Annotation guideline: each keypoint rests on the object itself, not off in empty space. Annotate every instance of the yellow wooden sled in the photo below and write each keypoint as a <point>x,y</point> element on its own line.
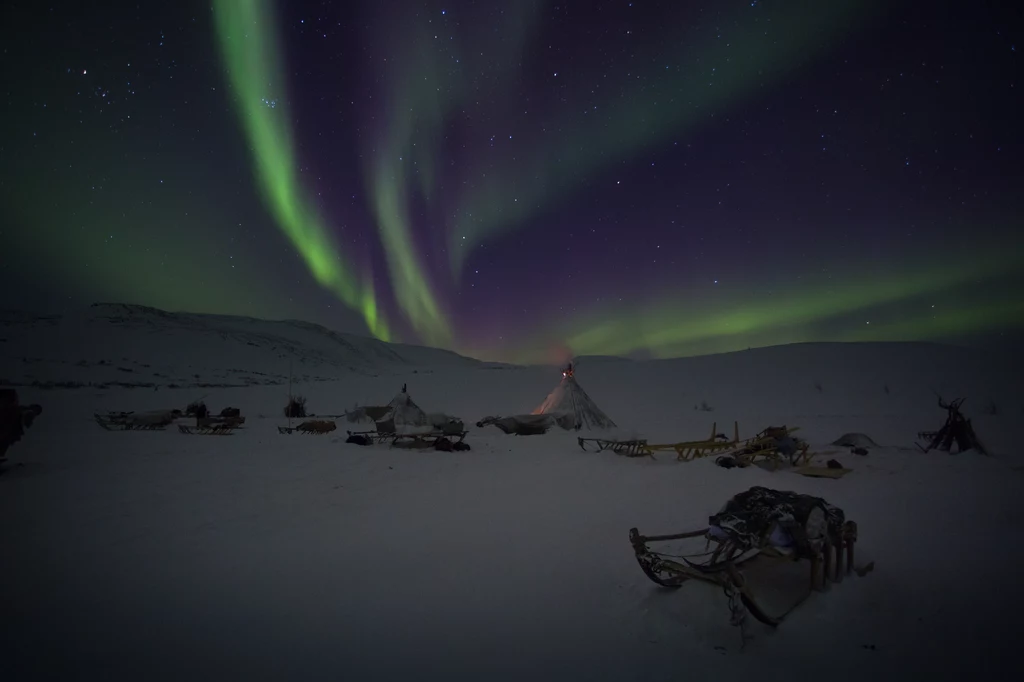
<point>694,449</point>
<point>764,448</point>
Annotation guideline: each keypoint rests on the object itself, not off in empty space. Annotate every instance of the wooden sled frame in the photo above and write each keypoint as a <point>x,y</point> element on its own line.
<point>832,559</point>
<point>212,426</point>
<point>210,430</point>
<point>763,447</point>
<point>117,421</point>
<point>747,452</point>
<point>307,431</point>
<point>695,449</point>
<point>428,439</point>
<point>629,448</point>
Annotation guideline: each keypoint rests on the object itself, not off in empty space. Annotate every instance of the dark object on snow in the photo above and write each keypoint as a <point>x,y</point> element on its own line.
<point>461,446</point>
<point>317,426</point>
<point>855,440</point>
<point>443,444</point>
<point>14,419</point>
<point>729,462</point>
<point>231,412</point>
<point>834,464</point>
<point>197,409</point>
<point>296,407</point>
<point>957,428</point>
<point>357,439</point>
<point>860,451</point>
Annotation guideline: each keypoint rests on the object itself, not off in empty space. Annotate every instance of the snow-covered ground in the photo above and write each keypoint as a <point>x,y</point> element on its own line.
<point>156,555</point>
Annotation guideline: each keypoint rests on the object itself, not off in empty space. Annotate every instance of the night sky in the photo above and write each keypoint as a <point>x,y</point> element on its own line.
<point>519,180</point>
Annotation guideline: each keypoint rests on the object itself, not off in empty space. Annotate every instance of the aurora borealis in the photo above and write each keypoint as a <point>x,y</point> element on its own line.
<point>522,180</point>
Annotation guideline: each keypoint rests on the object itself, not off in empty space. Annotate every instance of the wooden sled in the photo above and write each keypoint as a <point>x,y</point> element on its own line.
<point>213,426</point>
<point>409,440</point>
<point>694,449</point>
<point>629,448</point>
<point>212,430</point>
<point>721,562</point>
<point>373,437</point>
<point>316,427</point>
<point>423,441</point>
<point>763,448</point>
<point>128,421</point>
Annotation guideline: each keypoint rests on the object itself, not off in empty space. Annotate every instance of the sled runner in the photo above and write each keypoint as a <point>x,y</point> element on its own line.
<point>755,525</point>
<point>685,451</point>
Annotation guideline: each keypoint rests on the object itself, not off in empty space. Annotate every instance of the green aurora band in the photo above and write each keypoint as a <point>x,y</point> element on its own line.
<point>251,56</point>
<point>674,328</point>
<point>708,75</point>
<point>423,91</point>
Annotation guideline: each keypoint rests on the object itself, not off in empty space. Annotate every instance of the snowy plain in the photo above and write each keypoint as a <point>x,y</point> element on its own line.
<point>158,555</point>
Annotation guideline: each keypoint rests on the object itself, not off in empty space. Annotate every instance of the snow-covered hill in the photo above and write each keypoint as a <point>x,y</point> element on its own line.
<point>138,346</point>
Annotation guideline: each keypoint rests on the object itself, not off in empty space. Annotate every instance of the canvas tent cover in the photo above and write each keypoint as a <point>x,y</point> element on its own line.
<point>405,412</point>
<point>572,408</point>
<point>401,411</point>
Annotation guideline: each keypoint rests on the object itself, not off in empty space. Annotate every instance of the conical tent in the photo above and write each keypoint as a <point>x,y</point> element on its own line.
<point>406,412</point>
<point>401,411</point>
<point>572,408</point>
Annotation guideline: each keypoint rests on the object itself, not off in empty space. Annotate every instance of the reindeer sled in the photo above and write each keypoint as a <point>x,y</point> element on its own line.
<point>213,426</point>
<point>754,526</point>
<point>685,450</point>
<point>157,420</point>
<point>450,440</point>
<point>775,446</point>
<point>224,424</point>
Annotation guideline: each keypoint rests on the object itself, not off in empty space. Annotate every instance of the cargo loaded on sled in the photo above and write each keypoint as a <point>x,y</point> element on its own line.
<point>757,524</point>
